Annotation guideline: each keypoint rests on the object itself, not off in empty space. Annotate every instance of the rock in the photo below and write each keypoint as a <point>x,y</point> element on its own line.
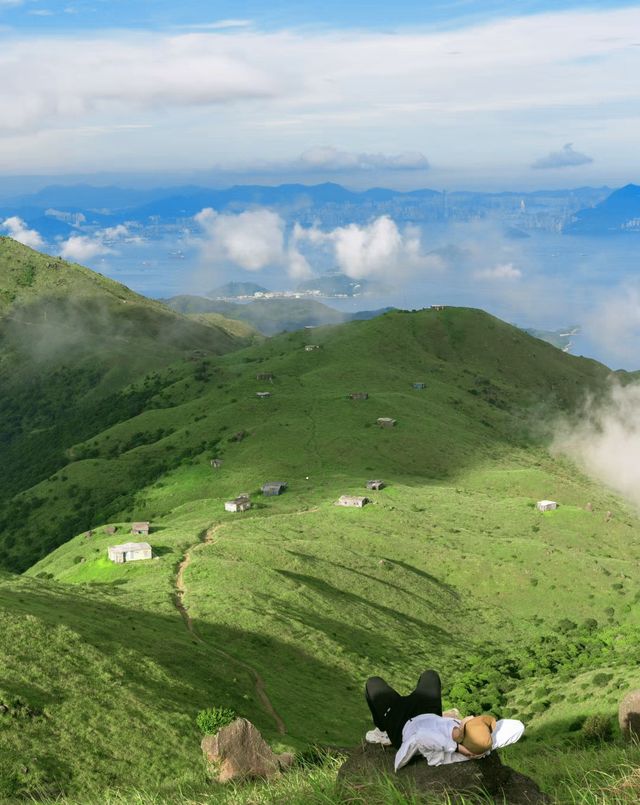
<point>465,779</point>
<point>629,714</point>
<point>239,752</point>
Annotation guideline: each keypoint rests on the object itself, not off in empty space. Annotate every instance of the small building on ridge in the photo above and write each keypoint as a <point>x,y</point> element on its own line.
<point>129,552</point>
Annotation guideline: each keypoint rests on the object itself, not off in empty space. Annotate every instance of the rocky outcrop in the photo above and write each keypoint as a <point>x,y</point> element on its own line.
<point>239,752</point>
<point>629,714</point>
<point>456,780</point>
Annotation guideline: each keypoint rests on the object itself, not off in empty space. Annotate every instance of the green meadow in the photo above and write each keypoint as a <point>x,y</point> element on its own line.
<point>283,611</point>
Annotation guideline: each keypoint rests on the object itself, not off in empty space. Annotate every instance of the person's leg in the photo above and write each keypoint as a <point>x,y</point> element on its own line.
<point>387,708</point>
<point>427,696</point>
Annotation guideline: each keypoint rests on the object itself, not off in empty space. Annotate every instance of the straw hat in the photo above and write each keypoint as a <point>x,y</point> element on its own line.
<point>477,734</point>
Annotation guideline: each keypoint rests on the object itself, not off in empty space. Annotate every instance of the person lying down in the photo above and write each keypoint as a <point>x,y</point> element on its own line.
<point>414,724</point>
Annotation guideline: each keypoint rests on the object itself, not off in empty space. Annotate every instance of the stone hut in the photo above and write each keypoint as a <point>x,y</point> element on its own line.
<point>546,505</point>
<point>438,307</point>
<point>311,347</point>
<point>262,395</point>
<point>110,530</point>
<point>419,386</point>
<point>375,485</point>
<point>216,463</point>
<point>129,552</point>
<point>268,376</point>
<point>385,422</point>
<point>141,529</point>
<point>272,488</point>
<point>359,395</point>
<point>353,501</point>
<point>239,504</point>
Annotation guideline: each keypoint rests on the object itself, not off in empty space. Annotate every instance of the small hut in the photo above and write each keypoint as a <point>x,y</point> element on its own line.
<point>110,530</point>
<point>239,504</point>
<point>359,395</point>
<point>129,552</point>
<point>216,463</point>
<point>437,307</point>
<point>141,529</point>
<point>272,488</point>
<point>546,505</point>
<point>268,376</point>
<point>262,395</point>
<point>385,422</point>
<point>352,501</point>
<point>419,386</point>
<point>311,347</point>
<point>375,485</point>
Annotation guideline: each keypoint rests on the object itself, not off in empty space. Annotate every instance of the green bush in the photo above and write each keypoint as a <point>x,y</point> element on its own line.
<point>602,680</point>
<point>214,719</point>
<point>597,728</point>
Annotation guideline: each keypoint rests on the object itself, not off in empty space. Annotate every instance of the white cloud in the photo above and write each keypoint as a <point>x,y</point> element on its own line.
<point>566,157</point>
<point>19,231</point>
<point>605,441</point>
<point>252,240</point>
<point>328,158</point>
<point>82,247</point>
<point>500,272</point>
<point>238,91</point>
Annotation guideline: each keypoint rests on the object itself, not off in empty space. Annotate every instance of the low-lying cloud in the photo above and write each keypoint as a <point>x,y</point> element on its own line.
<point>17,229</point>
<point>333,160</point>
<point>499,273</point>
<point>605,442</point>
<point>566,157</point>
<point>258,239</point>
<point>81,248</point>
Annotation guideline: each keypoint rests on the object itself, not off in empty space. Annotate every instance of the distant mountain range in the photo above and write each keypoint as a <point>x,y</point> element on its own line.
<point>617,213</point>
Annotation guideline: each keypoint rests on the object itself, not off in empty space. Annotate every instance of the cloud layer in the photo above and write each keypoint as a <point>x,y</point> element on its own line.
<point>605,442</point>
<point>17,229</point>
<point>238,94</point>
<point>566,157</point>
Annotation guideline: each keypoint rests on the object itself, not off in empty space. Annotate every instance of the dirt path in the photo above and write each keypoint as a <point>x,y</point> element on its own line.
<point>180,592</point>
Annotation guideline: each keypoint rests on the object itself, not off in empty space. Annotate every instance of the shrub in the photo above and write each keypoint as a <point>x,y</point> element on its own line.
<point>602,680</point>
<point>597,728</point>
<point>214,719</point>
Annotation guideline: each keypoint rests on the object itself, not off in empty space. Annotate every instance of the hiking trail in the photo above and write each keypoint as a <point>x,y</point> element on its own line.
<point>180,592</point>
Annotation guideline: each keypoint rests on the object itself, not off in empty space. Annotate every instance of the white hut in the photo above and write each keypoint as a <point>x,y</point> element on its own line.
<point>262,395</point>
<point>241,504</point>
<point>129,552</point>
<point>353,501</point>
<point>375,485</point>
<point>386,422</point>
<point>311,347</point>
<point>546,505</point>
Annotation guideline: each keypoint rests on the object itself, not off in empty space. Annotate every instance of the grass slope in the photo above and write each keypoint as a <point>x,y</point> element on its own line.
<point>450,565</point>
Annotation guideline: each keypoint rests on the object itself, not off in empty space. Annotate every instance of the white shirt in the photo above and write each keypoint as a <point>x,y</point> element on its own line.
<point>430,736</point>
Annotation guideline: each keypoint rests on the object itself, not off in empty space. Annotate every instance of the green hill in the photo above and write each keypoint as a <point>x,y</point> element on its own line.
<point>71,342</point>
<point>283,611</point>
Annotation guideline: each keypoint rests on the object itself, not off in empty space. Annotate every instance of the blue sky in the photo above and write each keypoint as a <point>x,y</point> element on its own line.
<point>408,94</point>
<point>50,15</point>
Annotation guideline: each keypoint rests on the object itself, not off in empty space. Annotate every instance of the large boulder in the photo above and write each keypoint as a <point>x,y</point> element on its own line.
<point>629,714</point>
<point>457,780</point>
<point>239,752</point>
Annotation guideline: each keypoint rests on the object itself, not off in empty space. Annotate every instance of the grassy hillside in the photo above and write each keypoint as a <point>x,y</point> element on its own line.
<point>269,316</point>
<point>71,342</point>
<point>286,609</point>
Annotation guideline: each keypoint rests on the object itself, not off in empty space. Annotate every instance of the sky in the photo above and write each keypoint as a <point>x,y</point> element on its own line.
<point>482,95</point>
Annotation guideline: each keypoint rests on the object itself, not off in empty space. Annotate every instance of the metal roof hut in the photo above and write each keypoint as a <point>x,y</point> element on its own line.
<point>419,386</point>
<point>352,501</point>
<point>272,488</point>
<point>216,463</point>
<point>359,395</point>
<point>262,395</point>
<point>129,552</point>
<point>375,485</point>
<point>386,422</point>
<point>546,505</point>
<point>141,528</point>
<point>438,307</point>
<point>239,504</point>
<point>111,530</point>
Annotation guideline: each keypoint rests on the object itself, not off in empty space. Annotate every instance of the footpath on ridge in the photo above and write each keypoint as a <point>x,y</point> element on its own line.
<point>180,592</point>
